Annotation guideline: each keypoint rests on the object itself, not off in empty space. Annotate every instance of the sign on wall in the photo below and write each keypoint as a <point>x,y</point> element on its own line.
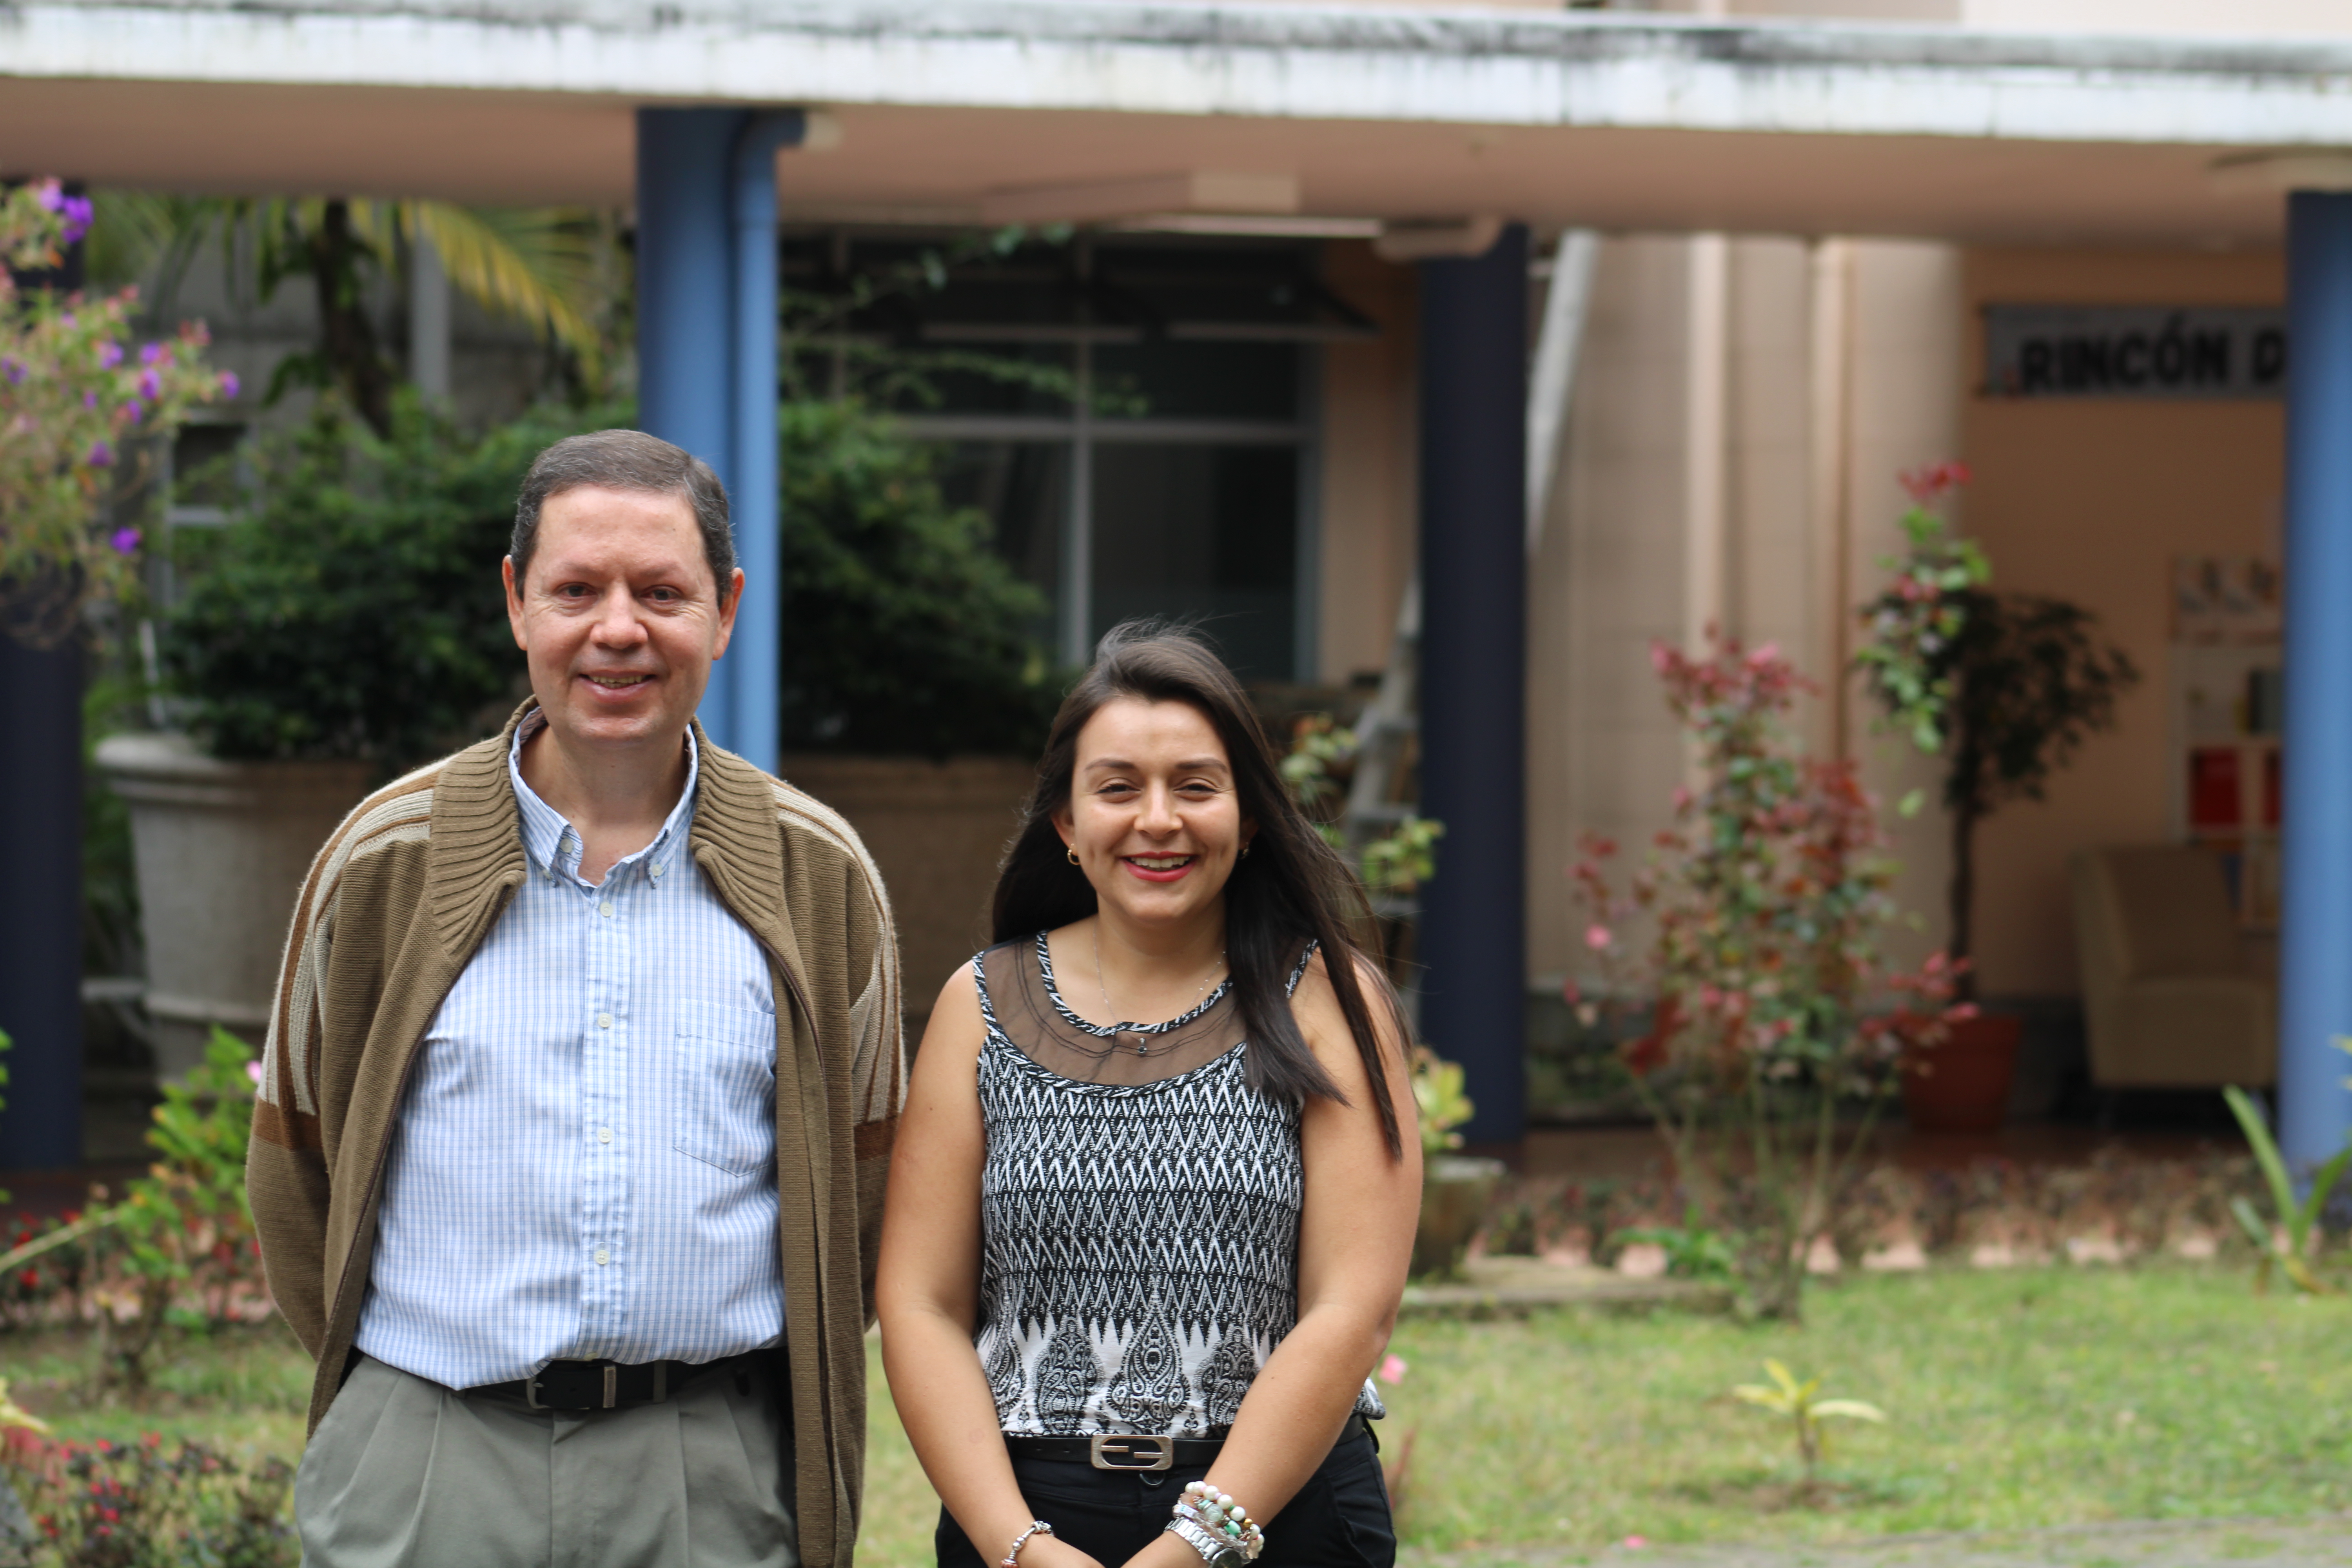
<point>2134,350</point>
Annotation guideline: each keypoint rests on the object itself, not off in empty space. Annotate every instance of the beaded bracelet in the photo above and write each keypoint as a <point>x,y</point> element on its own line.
<point>1224,1520</point>
<point>1013,1553</point>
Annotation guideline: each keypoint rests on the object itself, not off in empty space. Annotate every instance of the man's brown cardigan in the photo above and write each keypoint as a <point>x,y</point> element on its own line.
<point>393,908</point>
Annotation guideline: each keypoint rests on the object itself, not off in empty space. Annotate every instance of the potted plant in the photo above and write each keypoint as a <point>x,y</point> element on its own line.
<point>1455,1189</point>
<point>2004,687</point>
<point>345,624</point>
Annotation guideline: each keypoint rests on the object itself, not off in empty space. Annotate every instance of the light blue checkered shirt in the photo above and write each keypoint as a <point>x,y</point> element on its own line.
<point>585,1162</point>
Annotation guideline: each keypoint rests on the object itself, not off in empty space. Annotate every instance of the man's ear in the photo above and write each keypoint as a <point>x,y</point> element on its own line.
<point>514,603</point>
<point>730,602</point>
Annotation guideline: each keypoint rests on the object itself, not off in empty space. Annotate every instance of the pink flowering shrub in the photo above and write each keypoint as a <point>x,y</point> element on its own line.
<point>77,398</point>
<point>1774,1027</point>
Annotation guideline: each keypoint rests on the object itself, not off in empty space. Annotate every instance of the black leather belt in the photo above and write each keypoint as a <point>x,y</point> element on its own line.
<point>1127,1451</point>
<point>606,1385</point>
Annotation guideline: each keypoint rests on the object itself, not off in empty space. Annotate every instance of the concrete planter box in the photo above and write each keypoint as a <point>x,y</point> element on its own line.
<point>937,830</point>
<point>220,849</point>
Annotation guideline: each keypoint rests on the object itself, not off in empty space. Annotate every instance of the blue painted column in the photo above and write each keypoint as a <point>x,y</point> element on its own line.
<point>756,653</point>
<point>40,918</point>
<point>1473,943</point>
<point>2316,850</point>
<point>686,312</point>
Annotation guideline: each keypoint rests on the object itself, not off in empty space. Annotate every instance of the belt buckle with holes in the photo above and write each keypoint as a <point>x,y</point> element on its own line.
<point>1107,1451</point>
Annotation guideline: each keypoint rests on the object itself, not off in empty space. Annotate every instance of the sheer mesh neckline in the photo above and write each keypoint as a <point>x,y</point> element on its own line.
<point>1025,1011</point>
<point>1111,1031</point>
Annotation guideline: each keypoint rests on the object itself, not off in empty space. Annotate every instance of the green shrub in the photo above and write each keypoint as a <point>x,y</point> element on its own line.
<point>352,606</point>
<point>904,632</point>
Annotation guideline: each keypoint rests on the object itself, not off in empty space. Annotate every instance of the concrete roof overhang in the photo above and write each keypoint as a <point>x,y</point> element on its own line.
<point>1622,121</point>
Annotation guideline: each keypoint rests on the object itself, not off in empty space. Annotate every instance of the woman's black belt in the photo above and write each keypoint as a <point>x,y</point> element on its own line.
<point>1130,1451</point>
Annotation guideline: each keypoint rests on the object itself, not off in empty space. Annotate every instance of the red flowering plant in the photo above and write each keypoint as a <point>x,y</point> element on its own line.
<point>129,1505</point>
<point>1768,1054</point>
<point>79,401</point>
<point>1914,623</point>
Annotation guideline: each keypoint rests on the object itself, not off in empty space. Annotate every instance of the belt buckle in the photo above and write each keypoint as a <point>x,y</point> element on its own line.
<point>607,1385</point>
<point>1105,1448</point>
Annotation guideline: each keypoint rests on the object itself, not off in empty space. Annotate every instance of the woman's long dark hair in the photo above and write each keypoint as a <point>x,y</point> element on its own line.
<point>1293,885</point>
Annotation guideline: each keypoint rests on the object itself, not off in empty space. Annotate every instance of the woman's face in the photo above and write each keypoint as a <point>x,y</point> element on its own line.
<point>1153,813</point>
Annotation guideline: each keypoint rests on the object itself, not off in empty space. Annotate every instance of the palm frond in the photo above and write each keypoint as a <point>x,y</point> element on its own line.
<point>535,264</point>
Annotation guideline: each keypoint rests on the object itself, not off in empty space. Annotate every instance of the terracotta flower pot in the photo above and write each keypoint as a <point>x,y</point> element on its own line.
<point>1454,1193</point>
<point>1962,1084</point>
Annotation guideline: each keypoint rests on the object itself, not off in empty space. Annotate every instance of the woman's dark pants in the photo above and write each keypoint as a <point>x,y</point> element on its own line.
<point>1338,1520</point>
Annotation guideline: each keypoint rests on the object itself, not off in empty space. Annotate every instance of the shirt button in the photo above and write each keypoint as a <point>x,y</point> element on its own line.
<point>603,1020</point>
<point>604,1135</point>
<point>658,870</point>
<point>605,908</point>
<point>603,1257</point>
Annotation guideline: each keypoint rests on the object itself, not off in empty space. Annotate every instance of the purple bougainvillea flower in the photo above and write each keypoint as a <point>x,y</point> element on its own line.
<point>109,355</point>
<point>101,455</point>
<point>150,353</point>
<point>89,400</point>
<point>228,383</point>
<point>13,370</point>
<point>125,541</point>
<point>53,195</point>
<point>133,410</point>
<point>150,385</point>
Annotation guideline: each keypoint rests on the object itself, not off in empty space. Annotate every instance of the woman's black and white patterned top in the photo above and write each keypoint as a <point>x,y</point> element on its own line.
<point>1139,1240</point>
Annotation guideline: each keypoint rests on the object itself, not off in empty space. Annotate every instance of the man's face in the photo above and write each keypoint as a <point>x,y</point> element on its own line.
<point>620,615</point>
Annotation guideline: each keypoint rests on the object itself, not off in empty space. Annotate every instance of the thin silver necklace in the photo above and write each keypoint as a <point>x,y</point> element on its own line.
<point>1141,1048</point>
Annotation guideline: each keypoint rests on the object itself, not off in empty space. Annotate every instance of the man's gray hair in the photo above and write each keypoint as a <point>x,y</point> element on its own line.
<point>626,461</point>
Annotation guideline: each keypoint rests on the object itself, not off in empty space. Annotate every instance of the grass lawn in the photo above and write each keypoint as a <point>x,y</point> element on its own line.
<point>2016,1398</point>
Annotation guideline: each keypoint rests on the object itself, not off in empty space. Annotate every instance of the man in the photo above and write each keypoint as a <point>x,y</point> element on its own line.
<point>578,1097</point>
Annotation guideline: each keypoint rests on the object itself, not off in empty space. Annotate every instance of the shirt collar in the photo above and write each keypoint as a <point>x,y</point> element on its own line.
<point>549,840</point>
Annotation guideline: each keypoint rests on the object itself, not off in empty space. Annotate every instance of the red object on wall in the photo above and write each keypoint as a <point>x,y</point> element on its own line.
<point>2214,790</point>
<point>2270,789</point>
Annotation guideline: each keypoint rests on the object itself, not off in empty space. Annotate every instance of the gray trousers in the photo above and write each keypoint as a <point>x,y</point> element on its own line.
<point>403,1473</point>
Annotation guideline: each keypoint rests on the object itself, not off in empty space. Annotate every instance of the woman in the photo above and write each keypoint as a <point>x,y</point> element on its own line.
<point>1121,1260</point>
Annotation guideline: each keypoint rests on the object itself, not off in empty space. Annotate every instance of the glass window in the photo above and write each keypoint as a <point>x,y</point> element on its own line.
<point>1023,486</point>
<point>1206,533</point>
<point>1176,379</point>
<point>981,378</point>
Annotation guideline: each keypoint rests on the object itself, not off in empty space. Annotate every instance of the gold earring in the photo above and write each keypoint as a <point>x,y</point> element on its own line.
<point>1245,848</point>
<point>1073,853</point>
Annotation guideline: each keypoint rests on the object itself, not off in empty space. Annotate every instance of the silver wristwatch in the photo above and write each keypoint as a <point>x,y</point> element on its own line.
<point>1216,1553</point>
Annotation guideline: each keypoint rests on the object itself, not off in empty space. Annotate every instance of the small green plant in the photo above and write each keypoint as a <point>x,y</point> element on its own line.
<point>186,1224</point>
<point>1437,1092</point>
<point>1404,858</point>
<point>2286,1241</point>
<point>1317,743</point>
<point>1797,1401</point>
<point>1693,1251</point>
<point>1321,752</point>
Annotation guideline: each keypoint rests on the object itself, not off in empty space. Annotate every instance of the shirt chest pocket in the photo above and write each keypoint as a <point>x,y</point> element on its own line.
<point>723,1087</point>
